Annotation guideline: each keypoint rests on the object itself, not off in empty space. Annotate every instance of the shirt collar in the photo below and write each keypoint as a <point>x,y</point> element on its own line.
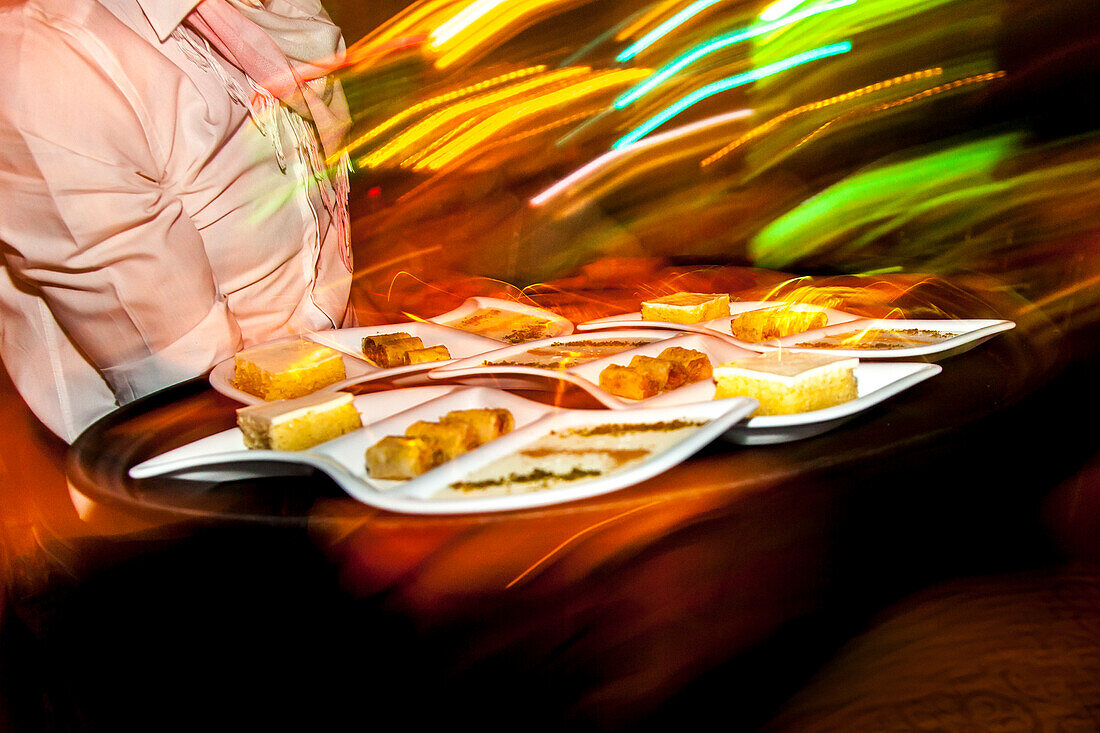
<point>166,15</point>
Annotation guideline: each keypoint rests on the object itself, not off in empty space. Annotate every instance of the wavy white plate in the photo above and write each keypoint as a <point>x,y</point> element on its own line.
<point>224,455</point>
<point>475,370</point>
<point>716,327</point>
<point>587,375</point>
<point>559,326</point>
<point>350,341</point>
<point>343,459</point>
<point>966,334</point>
<point>221,376</point>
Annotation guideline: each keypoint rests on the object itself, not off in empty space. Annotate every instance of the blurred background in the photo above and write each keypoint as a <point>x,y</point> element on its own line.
<point>922,158</point>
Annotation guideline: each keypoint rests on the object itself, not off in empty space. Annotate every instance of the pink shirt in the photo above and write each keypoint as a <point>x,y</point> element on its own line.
<point>149,226</point>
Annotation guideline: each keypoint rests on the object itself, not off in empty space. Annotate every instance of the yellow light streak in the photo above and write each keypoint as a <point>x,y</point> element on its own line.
<point>820,104</point>
<point>599,82</point>
<point>483,27</point>
<point>884,106</point>
<point>429,126</point>
<point>461,20</point>
<point>437,101</point>
<point>413,19</point>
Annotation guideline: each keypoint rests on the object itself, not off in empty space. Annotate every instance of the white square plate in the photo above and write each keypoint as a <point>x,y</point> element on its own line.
<point>349,341</point>
<point>221,376</point>
<point>958,335</point>
<point>558,326</point>
<point>489,369</point>
<point>343,459</point>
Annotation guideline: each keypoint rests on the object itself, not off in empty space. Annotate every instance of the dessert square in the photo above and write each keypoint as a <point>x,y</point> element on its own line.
<point>773,323</point>
<point>286,370</point>
<point>788,382</point>
<point>633,384</point>
<point>695,364</point>
<point>298,423</point>
<point>686,307</point>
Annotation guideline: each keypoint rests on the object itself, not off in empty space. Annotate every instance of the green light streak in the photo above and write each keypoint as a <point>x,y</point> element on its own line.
<point>726,84</point>
<point>779,8</point>
<point>654,35</point>
<point>678,64</point>
<point>870,204</point>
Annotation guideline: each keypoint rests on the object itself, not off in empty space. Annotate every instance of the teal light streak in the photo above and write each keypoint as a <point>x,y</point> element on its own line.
<point>722,85</point>
<point>650,38</point>
<point>779,8</point>
<point>678,64</point>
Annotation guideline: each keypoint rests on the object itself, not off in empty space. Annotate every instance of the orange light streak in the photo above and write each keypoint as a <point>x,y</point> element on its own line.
<point>820,104</point>
<point>646,18</point>
<point>570,540</point>
<point>884,106</point>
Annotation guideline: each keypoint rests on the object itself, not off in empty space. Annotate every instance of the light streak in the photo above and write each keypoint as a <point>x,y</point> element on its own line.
<point>820,104</point>
<point>729,39</point>
<point>498,121</point>
<point>612,156</point>
<point>460,21</point>
<point>448,115</point>
<point>663,29</point>
<point>729,83</point>
<point>654,12</point>
<point>436,101</point>
<point>884,106</point>
<point>570,540</point>
<point>779,8</point>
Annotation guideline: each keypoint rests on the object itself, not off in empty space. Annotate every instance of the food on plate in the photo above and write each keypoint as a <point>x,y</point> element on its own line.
<point>878,338</point>
<point>686,307</point>
<point>389,350</point>
<point>648,376</point>
<point>786,382</point>
<point>695,363</point>
<point>483,423</point>
<point>564,354</point>
<point>298,423</point>
<point>429,353</point>
<point>504,325</point>
<point>399,457</point>
<point>286,370</point>
<point>564,456</point>
<point>772,323</point>
<point>427,444</point>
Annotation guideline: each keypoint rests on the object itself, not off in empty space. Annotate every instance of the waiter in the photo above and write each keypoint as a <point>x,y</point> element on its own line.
<point>171,190</point>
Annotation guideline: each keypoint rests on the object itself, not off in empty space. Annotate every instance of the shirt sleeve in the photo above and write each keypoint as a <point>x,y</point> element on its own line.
<point>89,222</point>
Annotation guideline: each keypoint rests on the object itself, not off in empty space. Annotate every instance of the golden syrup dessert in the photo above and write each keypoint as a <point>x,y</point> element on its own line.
<point>686,307</point>
<point>430,443</point>
<point>287,370</point>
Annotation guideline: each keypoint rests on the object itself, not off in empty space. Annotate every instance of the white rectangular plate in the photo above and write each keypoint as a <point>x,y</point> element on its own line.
<point>221,376</point>
<point>587,376</point>
<point>226,450</point>
<point>559,326</point>
<point>343,460</point>
<point>475,371</point>
<point>963,334</point>
<point>350,341</point>
<point>716,327</point>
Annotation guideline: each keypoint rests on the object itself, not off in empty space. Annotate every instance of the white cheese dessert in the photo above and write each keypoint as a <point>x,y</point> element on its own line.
<point>786,382</point>
<point>298,423</point>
